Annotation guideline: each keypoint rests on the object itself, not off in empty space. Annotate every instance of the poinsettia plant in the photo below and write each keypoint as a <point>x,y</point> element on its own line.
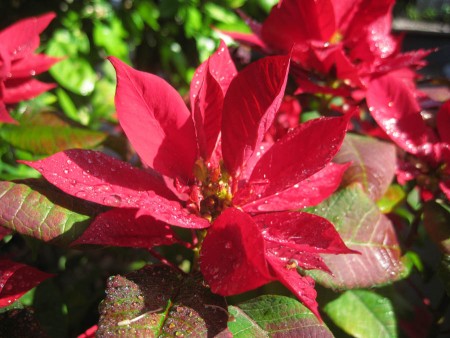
<point>283,194</point>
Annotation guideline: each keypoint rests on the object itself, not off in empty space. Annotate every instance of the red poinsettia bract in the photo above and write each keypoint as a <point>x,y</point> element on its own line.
<point>18,63</point>
<point>208,168</point>
<point>397,112</point>
<point>345,40</point>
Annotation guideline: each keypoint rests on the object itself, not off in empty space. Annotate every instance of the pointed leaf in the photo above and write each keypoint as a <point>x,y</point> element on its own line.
<point>32,65</point>
<point>16,279</point>
<point>250,104</point>
<point>156,121</point>
<point>273,316</point>
<point>364,229</point>
<point>96,177</point>
<point>32,213</point>
<point>17,90</point>
<point>47,139</point>
<point>158,301</point>
<point>232,255</point>
<point>395,109</point>
<point>436,220</point>
<point>308,192</point>
<point>298,155</point>
<point>363,313</point>
<point>373,163</point>
<point>121,227</point>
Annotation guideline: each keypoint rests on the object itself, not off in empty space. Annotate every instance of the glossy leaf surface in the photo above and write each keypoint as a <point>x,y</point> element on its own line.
<point>365,229</point>
<point>275,316</point>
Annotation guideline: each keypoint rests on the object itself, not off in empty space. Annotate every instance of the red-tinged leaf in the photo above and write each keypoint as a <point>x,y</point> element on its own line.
<point>89,333</point>
<point>247,39</point>
<point>31,213</point>
<point>414,60</point>
<point>250,105</point>
<point>16,279</point>
<point>436,220</point>
<point>16,90</point>
<point>156,121</point>
<point>47,139</point>
<point>232,255</point>
<point>158,301</point>
<point>308,192</point>
<point>301,231</point>
<point>297,21</point>
<point>443,122</point>
<point>21,323</point>
<point>301,286</point>
<point>275,316</point>
<point>395,109</point>
<point>364,229</point>
<point>32,65</point>
<point>121,227</point>
<point>299,155</point>
<point>4,115</point>
<point>96,177</point>
<point>373,164</point>
<point>22,38</point>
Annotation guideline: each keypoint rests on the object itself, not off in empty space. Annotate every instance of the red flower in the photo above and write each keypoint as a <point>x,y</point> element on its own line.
<point>344,40</point>
<point>207,169</point>
<point>18,63</point>
<point>394,107</point>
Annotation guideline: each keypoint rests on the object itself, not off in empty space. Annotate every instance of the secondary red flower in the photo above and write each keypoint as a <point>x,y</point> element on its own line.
<point>18,63</point>
<point>338,45</point>
<point>208,169</point>
<point>397,112</point>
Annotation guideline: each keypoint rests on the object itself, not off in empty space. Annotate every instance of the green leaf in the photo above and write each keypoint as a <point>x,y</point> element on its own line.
<point>373,163</point>
<point>269,316</point>
<point>393,196</point>
<point>436,220</point>
<point>42,215</point>
<point>149,12</point>
<point>158,301</point>
<point>74,72</point>
<point>365,229</point>
<point>363,314</point>
<point>49,135</point>
<point>111,38</point>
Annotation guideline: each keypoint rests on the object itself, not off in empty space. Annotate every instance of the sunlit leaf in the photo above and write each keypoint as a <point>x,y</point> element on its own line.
<point>39,215</point>
<point>365,229</point>
<point>373,163</point>
<point>273,316</point>
<point>394,195</point>
<point>158,301</point>
<point>363,313</point>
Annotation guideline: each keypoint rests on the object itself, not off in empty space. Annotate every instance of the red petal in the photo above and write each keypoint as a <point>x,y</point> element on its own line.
<point>99,178</point>
<point>4,114</point>
<point>443,122</point>
<point>16,279</point>
<point>232,255</point>
<point>302,287</point>
<point>208,87</point>
<point>121,227</point>
<point>17,90</point>
<point>299,155</point>
<point>32,65</point>
<point>301,231</point>
<point>306,193</point>
<point>156,121</point>
<point>22,37</point>
<point>251,102</point>
<point>297,21</point>
<point>395,109</point>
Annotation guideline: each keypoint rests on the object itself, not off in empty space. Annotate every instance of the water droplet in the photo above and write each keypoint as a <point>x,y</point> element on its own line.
<point>228,245</point>
<point>80,194</point>
<point>112,200</point>
<point>32,72</point>
<point>66,171</point>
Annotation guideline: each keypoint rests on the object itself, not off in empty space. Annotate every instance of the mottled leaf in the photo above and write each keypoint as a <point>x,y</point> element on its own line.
<point>363,313</point>
<point>373,163</point>
<point>34,214</point>
<point>394,195</point>
<point>157,301</point>
<point>47,140</point>
<point>274,316</point>
<point>436,220</point>
<point>365,229</point>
